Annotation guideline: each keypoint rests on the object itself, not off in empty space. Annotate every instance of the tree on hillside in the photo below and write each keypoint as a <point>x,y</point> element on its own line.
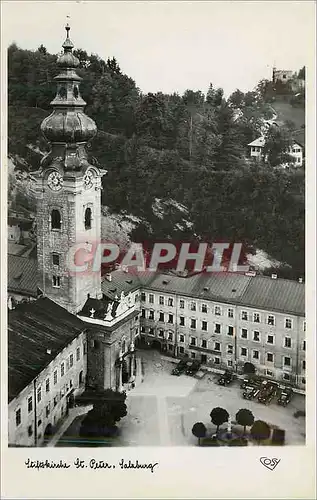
<point>260,431</point>
<point>236,99</point>
<point>219,416</point>
<point>301,73</point>
<point>245,418</point>
<point>199,430</point>
<point>278,141</point>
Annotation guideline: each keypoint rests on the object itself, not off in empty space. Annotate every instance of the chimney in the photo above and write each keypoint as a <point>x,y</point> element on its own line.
<point>300,280</point>
<point>108,277</point>
<point>274,276</point>
<point>48,351</point>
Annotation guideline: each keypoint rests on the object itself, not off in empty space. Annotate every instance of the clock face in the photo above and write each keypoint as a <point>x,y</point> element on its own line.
<point>88,179</point>
<point>55,181</point>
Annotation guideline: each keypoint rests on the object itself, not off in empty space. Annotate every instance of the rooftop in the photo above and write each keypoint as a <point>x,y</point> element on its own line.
<point>22,275</point>
<point>260,141</point>
<point>34,328</point>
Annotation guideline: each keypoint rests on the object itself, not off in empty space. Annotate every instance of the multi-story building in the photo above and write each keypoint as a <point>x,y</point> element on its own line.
<point>47,362</point>
<point>226,320</point>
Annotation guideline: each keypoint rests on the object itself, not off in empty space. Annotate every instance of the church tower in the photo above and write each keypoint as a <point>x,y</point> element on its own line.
<point>68,193</point>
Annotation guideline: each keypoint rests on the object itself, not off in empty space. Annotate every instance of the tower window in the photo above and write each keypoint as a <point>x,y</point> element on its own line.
<point>88,218</point>
<point>62,92</point>
<point>75,92</point>
<point>56,219</point>
<point>55,258</point>
<point>56,281</point>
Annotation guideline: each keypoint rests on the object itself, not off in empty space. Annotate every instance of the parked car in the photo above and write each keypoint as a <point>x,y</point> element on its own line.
<point>267,394</point>
<point>285,397</point>
<point>247,392</point>
<point>226,378</point>
<point>252,393</point>
<point>193,368</point>
<point>180,367</point>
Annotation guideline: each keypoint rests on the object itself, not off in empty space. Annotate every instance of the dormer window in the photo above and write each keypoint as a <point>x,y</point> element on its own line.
<point>88,218</point>
<point>56,221</point>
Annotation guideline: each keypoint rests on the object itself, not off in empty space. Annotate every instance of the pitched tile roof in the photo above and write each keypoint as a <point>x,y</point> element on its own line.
<point>22,275</point>
<point>260,141</point>
<point>32,329</point>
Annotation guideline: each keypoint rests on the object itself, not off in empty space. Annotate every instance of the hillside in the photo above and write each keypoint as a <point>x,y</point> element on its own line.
<point>163,152</point>
<point>288,113</point>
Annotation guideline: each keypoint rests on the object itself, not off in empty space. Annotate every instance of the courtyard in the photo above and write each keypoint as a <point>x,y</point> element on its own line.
<point>163,409</point>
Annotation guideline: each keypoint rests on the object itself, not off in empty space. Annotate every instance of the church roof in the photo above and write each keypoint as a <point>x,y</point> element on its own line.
<point>22,275</point>
<point>33,329</point>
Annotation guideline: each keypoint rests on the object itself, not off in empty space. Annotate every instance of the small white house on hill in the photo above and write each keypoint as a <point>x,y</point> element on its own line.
<point>296,150</point>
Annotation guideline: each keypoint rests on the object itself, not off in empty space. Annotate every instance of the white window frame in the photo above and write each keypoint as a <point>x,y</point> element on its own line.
<point>161,300</point>
<point>291,322</point>
<point>270,335</point>
<point>286,346</point>
<point>151,298</point>
<point>218,360</point>
<point>193,327</point>
<point>218,308</point>
<point>244,338</point>
<point>230,309</point>
<point>253,357</point>
<point>266,355</point>
<point>180,339</point>
<point>230,334</point>
<point>215,343</point>
<point>259,333</point>
<point>217,333</point>
<point>287,366</point>
<point>201,343</point>
<point>193,306</point>
<point>269,316</point>
<point>243,355</point>
<point>242,318</point>
<point>259,315</point>
<point>204,306</point>
<point>195,341</point>
<point>184,322</point>
<point>204,329</point>
<point>286,376</point>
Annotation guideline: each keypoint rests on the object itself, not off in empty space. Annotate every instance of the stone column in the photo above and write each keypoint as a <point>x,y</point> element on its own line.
<point>132,371</point>
<point>120,388</point>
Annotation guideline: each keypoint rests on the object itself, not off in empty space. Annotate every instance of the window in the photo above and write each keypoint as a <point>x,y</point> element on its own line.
<point>56,281</point>
<point>303,365</point>
<point>161,334</point>
<point>269,357</point>
<point>55,401</point>
<point>181,350</point>
<point>62,369</point>
<point>170,302</point>
<point>244,315</point>
<point>304,326</point>
<point>182,321</point>
<point>136,299</point>
<point>71,360</point>
<point>286,376</point>
<point>39,394</point>
<point>55,259</point>
<point>288,323</point>
<point>30,430</point>
<point>182,338</point>
<point>88,218</point>
<point>287,342</point>
<point>229,349</point>
<point>192,355</point>
<point>151,314</point>
<point>304,345</point>
<point>47,385</point>
<point>85,347</point>
<point>243,351</point>
<point>244,333</point>
<point>181,304</point>
<point>255,355</point>
<point>39,423</point>
<point>270,339</point>
<point>170,318</point>
<point>217,346</point>
<point>217,361</point>
<point>271,320</point>
<point>170,347</point>
<point>193,323</point>
<point>151,298</point>
<point>230,330</point>
<point>193,341</point>
<point>170,336</point>
<point>142,329</point>
<point>30,404</point>
<point>55,377</point>
<point>269,373</point>
<point>287,361</point>
<point>217,311</point>
<point>230,313</point>
<point>229,362</point>
<point>193,306</point>
<point>143,298</point>
<point>161,317</point>
<point>217,328</point>
<point>70,383</point>
<point>78,354</point>
<point>161,300</point>
<point>256,317</point>
<point>151,331</point>
<point>142,313</point>
<point>204,325</point>
<point>256,336</point>
<point>18,417</point>
<point>303,381</point>
<point>204,308</point>
<point>47,410</point>
<point>204,343</point>
<point>56,221</point>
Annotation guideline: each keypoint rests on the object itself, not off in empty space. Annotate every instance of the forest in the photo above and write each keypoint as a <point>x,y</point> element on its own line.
<point>189,148</point>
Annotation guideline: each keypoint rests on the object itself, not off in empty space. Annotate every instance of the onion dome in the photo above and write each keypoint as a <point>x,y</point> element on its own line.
<point>68,123</point>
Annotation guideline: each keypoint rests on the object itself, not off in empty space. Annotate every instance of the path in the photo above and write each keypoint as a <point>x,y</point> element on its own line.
<point>73,413</point>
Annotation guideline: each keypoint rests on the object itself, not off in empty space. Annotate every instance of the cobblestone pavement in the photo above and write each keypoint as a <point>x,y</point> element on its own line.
<point>163,409</point>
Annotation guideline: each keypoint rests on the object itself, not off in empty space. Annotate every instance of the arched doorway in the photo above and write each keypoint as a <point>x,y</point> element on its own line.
<point>81,377</point>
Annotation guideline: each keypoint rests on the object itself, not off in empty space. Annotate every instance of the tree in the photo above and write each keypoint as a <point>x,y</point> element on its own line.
<point>108,408</point>
<point>239,441</point>
<point>278,141</point>
<point>199,430</point>
<point>245,418</point>
<point>236,99</point>
<point>249,368</point>
<point>219,416</point>
<point>260,431</point>
<point>301,73</point>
